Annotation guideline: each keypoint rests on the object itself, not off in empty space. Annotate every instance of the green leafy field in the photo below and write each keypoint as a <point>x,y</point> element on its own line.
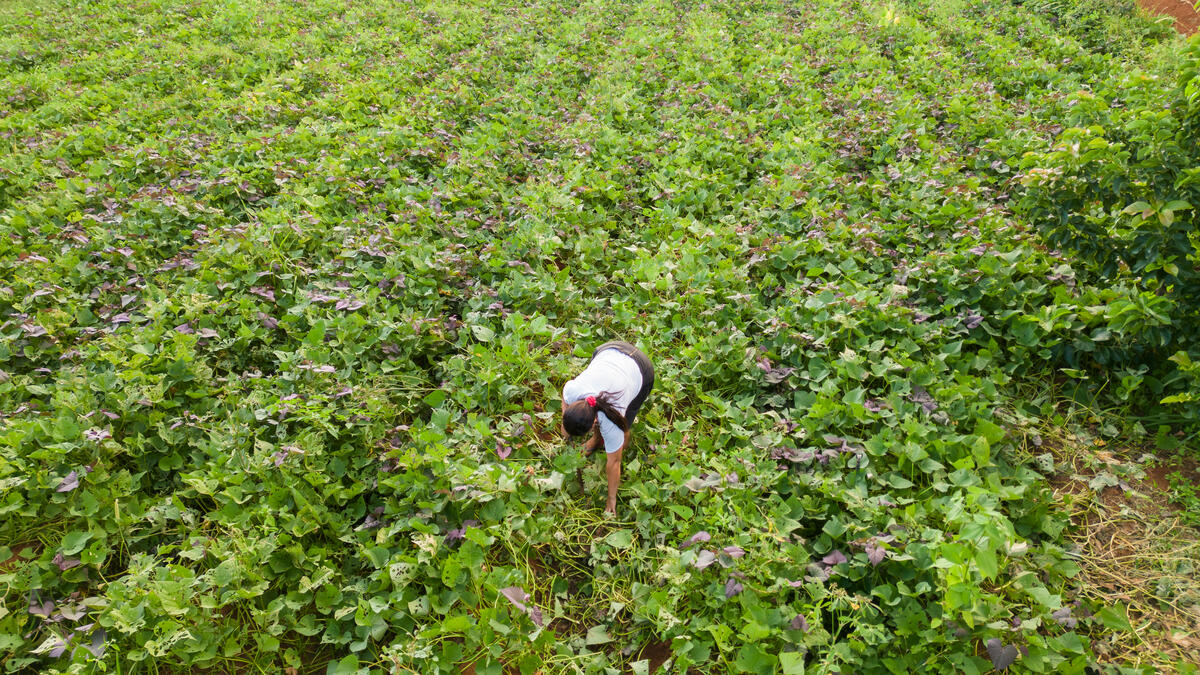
<point>289,291</point>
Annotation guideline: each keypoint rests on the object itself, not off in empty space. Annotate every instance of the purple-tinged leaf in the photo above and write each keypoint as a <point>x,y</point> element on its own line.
<point>123,317</point>
<point>819,572</point>
<point>110,415</point>
<point>44,609</point>
<point>317,296</point>
<point>349,304</point>
<point>875,554</point>
<point>797,583</point>
<point>835,557</point>
<point>732,587</point>
<point>1064,618</point>
<point>1002,655</point>
<point>269,321</point>
<point>97,435</point>
<point>345,391</point>
<point>69,482</point>
<point>518,597</point>
<point>502,450</point>
<point>972,321</point>
<point>206,333</point>
<point>264,292</point>
<point>97,646</point>
<point>698,538</point>
<point>980,249</point>
<point>874,405</point>
<point>922,396</point>
<point>704,559</point>
<point>734,551</point>
<point>60,647</point>
<point>799,623</point>
<point>184,328</point>
<point>63,563</point>
<point>774,374</point>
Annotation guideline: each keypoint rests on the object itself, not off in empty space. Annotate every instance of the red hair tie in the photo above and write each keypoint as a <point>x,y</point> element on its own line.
<point>591,401</point>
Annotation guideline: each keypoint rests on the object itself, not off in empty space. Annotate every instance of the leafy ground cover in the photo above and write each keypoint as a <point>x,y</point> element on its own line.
<point>289,291</point>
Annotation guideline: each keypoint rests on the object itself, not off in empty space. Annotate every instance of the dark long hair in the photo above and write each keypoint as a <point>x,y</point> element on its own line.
<point>579,417</point>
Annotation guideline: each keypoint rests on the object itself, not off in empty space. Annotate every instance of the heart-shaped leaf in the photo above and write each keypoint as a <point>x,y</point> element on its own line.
<point>1002,655</point>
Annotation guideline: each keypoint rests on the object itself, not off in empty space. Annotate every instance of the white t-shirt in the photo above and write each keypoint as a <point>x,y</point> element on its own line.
<point>611,371</point>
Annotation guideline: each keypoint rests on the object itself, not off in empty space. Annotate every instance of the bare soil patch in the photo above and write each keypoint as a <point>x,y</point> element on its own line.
<point>1187,20</point>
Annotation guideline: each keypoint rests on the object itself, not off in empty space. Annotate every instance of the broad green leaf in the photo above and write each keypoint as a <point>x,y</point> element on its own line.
<point>435,398</point>
<point>792,663</point>
<point>348,665</point>
<point>74,542</point>
<point>1115,618</point>
<point>597,635</point>
<point>619,538</point>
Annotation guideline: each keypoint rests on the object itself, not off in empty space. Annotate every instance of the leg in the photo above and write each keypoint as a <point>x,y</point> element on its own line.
<point>612,468</point>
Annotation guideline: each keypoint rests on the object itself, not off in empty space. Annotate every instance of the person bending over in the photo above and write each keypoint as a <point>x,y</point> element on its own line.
<point>604,399</point>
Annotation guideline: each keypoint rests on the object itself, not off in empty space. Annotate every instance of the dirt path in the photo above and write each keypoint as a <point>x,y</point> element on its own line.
<point>1187,21</point>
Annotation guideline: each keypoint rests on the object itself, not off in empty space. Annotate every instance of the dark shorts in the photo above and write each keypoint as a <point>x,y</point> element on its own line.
<point>643,364</point>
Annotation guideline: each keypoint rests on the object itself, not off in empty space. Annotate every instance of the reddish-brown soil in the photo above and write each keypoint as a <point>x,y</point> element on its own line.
<point>1187,20</point>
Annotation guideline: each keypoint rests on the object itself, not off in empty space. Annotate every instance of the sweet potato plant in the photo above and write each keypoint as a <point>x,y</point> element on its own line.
<point>288,291</point>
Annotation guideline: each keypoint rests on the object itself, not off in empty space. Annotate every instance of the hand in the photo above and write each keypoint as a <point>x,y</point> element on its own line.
<point>611,510</point>
<point>592,444</point>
